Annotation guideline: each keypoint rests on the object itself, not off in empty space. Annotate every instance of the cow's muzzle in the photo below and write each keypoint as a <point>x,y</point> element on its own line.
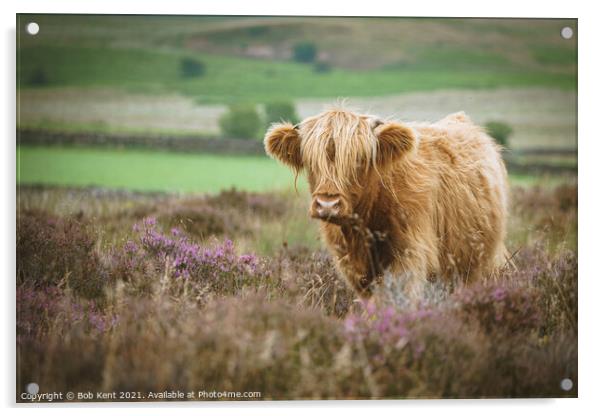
<point>328,207</point>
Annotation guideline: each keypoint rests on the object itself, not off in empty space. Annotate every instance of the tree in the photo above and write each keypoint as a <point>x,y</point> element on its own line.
<point>305,52</point>
<point>241,122</point>
<point>500,131</point>
<point>191,68</point>
<point>280,111</point>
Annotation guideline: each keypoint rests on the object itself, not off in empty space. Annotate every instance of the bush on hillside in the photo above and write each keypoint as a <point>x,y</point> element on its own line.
<point>305,52</point>
<point>191,68</point>
<point>241,122</point>
<point>280,111</point>
<point>500,131</point>
<point>38,78</point>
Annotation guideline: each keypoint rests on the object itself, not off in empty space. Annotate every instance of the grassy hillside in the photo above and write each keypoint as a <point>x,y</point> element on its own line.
<point>354,43</point>
<point>249,59</point>
<point>229,79</point>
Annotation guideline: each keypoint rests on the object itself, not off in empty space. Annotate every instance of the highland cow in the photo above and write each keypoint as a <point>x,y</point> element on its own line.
<point>423,201</point>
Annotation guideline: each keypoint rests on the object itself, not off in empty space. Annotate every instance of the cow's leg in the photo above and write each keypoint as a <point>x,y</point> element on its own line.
<point>363,258</point>
<point>411,269</point>
<point>409,277</point>
<point>356,271</point>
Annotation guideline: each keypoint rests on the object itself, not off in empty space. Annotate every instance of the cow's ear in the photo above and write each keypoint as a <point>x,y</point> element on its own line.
<point>394,142</point>
<point>282,142</point>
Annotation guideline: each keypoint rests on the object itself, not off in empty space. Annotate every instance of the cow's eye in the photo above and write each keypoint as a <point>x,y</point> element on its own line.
<point>330,150</point>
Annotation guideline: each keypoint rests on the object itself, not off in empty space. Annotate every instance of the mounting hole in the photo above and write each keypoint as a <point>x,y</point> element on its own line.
<point>566,32</point>
<point>566,384</point>
<point>32,28</point>
<point>32,388</point>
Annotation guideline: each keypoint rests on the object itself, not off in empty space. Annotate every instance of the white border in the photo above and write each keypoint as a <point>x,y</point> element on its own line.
<point>428,8</point>
<point>589,188</point>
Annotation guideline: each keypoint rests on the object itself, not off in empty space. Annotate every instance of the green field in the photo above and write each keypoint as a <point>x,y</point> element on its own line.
<point>143,170</point>
<point>148,170</point>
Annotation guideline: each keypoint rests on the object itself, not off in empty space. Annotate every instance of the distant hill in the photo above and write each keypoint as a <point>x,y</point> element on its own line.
<point>251,58</point>
<point>351,43</point>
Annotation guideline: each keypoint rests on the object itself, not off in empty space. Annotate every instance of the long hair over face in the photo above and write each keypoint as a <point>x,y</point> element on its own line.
<point>337,144</point>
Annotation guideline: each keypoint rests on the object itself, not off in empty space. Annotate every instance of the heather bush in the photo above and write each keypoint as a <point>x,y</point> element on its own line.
<point>200,220</point>
<point>547,203</point>
<point>458,360</point>
<point>192,314</point>
<point>286,351</point>
<point>228,213</point>
<point>499,307</point>
<point>542,214</point>
<point>153,255</point>
<point>311,276</point>
<point>436,358</point>
<point>60,339</point>
<point>54,251</point>
<point>385,326</point>
<point>69,357</point>
<point>36,309</point>
<point>447,351</point>
<point>242,202</point>
<point>556,278</point>
<point>241,344</point>
<point>42,309</point>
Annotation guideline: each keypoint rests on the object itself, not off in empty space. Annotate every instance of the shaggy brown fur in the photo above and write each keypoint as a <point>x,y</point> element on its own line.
<point>421,200</point>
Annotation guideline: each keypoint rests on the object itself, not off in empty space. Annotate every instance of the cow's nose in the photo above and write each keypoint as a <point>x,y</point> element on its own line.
<point>327,207</point>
